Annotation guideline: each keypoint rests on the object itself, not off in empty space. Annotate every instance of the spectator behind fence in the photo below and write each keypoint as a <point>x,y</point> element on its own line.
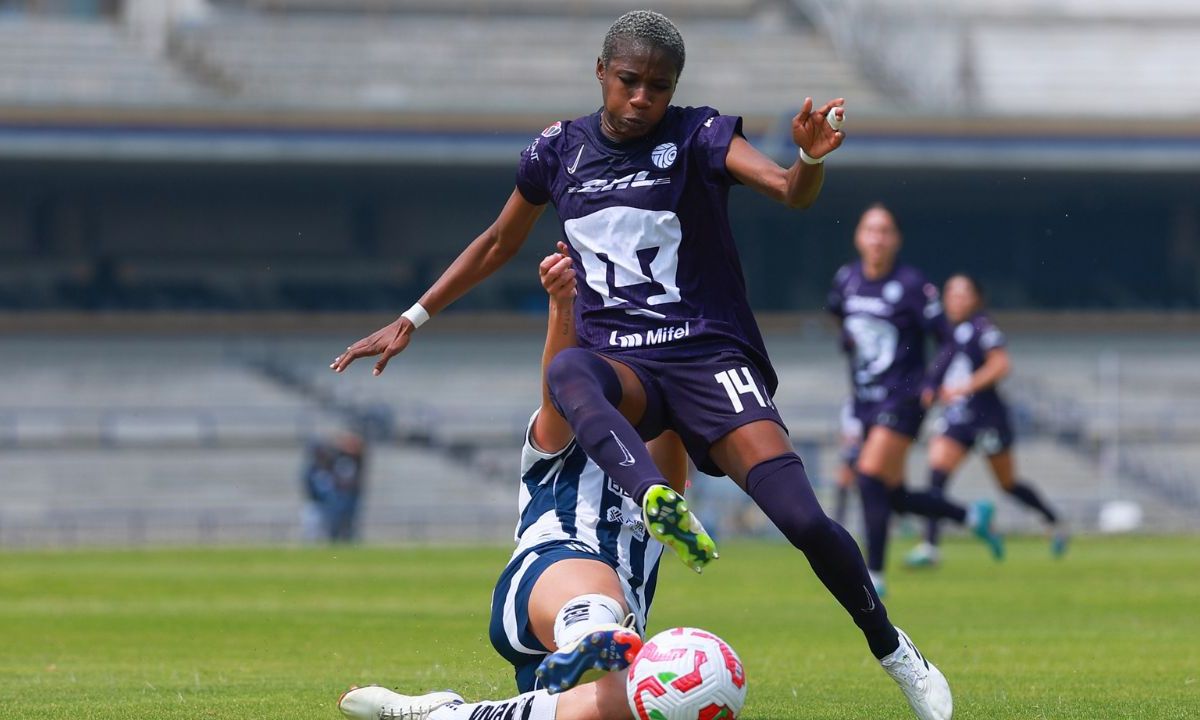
<point>332,480</point>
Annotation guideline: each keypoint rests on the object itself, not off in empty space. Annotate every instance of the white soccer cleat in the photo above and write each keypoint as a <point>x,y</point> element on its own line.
<point>924,555</point>
<point>378,703</point>
<point>923,684</point>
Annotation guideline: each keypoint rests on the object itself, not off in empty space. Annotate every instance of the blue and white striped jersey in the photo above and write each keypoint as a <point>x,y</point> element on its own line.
<point>565,497</point>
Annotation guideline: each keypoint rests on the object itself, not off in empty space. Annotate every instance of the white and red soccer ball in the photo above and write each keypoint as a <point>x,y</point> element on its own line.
<point>686,674</point>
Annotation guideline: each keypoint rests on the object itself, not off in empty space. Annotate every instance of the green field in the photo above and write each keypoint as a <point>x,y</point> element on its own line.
<point>1111,632</point>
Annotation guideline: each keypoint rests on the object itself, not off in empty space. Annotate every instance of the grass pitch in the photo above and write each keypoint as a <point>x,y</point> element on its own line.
<point>1110,632</point>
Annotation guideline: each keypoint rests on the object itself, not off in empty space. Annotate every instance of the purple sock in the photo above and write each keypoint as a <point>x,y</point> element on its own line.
<point>1029,497</point>
<point>926,504</point>
<point>937,487</point>
<point>586,390</point>
<point>781,488</point>
<point>877,513</point>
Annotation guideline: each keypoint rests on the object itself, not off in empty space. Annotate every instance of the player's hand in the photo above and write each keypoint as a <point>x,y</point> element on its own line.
<point>389,342</point>
<point>557,273</point>
<point>927,398</point>
<point>951,395</point>
<point>811,130</point>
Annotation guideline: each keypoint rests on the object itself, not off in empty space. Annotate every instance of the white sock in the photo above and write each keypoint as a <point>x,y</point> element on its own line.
<point>579,615</point>
<point>973,516</point>
<point>536,705</point>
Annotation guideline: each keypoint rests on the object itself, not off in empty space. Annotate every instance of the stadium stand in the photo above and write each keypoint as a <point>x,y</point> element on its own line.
<point>64,62</point>
<point>164,440</point>
<point>1034,59</point>
<point>450,66</point>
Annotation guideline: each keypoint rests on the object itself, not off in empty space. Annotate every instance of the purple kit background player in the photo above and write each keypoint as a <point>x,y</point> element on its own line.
<point>887,312</point>
<point>970,364</point>
<point>666,336</point>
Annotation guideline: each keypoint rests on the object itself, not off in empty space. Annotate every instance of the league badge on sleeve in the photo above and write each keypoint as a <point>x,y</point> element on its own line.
<point>553,130</point>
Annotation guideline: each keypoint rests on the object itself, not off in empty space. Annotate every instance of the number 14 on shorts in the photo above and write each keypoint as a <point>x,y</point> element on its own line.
<point>738,382</point>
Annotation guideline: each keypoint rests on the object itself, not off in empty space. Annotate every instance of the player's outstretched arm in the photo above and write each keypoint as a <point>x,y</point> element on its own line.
<point>496,246</point>
<point>815,133</point>
<point>550,432</point>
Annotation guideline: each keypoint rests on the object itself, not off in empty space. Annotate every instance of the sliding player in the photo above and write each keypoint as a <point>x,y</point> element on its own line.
<point>972,361</point>
<point>575,596</point>
<point>666,336</point>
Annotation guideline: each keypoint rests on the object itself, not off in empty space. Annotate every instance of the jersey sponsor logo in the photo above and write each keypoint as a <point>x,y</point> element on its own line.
<point>532,149</point>
<point>575,163</point>
<point>634,180</point>
<point>664,155</point>
<point>636,526</point>
<point>893,291</point>
<point>552,130</point>
<point>869,305</point>
<point>657,336</point>
<point>613,487</point>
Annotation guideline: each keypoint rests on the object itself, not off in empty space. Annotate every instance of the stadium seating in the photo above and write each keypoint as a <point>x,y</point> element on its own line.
<point>51,62</point>
<point>1028,58</point>
<point>452,66</point>
<point>192,439</point>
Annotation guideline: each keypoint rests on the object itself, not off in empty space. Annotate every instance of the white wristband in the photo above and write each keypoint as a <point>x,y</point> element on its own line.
<point>809,159</point>
<point>416,315</point>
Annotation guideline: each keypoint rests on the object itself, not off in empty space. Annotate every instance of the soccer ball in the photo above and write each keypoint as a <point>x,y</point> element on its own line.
<point>686,674</point>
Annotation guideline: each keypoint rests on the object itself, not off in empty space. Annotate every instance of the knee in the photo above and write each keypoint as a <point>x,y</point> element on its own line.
<point>574,374</point>
<point>564,367</point>
<point>810,530</point>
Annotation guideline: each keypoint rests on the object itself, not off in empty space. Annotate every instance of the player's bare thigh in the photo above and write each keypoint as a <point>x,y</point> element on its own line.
<point>564,580</point>
<point>742,448</point>
<point>946,454</point>
<point>883,455</point>
<point>1003,468</point>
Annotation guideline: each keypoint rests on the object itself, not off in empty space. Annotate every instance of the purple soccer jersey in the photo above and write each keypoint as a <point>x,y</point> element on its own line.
<point>647,224</point>
<point>963,352</point>
<point>885,323</point>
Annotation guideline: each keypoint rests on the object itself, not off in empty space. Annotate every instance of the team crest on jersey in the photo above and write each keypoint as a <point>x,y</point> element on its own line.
<point>963,333</point>
<point>893,291</point>
<point>664,155</point>
<point>553,130</point>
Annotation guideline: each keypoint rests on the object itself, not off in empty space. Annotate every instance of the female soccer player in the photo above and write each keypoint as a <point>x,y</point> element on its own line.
<point>887,310</point>
<point>666,336</point>
<point>972,361</point>
<point>576,593</point>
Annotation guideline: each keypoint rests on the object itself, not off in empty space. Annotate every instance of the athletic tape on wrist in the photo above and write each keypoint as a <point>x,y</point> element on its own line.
<point>809,159</point>
<point>416,315</point>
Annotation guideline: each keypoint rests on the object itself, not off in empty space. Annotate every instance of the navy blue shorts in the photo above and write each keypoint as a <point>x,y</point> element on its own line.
<point>702,400</point>
<point>509,627</point>
<point>992,432</point>
<point>904,415</point>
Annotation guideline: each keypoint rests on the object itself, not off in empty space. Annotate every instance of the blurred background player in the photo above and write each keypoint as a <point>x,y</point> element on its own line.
<point>667,338</point>
<point>887,312</point>
<point>850,436</point>
<point>575,596</point>
<point>964,377</point>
